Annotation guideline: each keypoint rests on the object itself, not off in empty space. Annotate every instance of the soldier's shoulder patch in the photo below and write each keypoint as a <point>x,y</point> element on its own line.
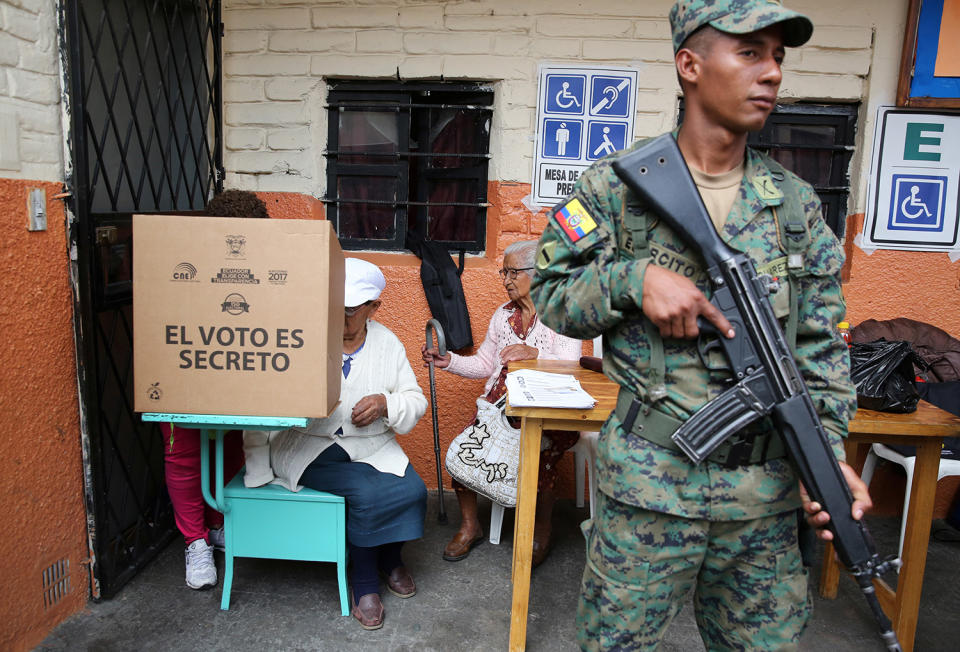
<point>767,190</point>
<point>545,254</point>
<point>574,219</point>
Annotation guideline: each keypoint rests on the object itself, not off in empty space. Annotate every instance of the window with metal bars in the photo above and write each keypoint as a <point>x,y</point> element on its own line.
<point>408,159</point>
<point>815,142</point>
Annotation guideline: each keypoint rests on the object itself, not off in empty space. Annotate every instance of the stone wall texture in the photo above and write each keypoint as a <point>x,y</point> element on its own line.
<point>31,138</point>
<point>279,54</point>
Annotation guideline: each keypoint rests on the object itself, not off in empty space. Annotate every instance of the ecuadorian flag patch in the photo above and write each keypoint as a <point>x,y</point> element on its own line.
<point>574,219</point>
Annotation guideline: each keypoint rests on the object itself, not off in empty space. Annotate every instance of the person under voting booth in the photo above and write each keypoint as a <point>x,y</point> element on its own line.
<point>354,452</point>
<point>200,524</point>
<point>726,528</point>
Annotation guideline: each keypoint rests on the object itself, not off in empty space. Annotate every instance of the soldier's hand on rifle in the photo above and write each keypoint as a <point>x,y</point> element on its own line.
<point>818,518</point>
<point>673,303</point>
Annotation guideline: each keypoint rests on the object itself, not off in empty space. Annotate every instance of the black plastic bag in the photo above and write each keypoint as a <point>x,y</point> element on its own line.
<point>884,376</point>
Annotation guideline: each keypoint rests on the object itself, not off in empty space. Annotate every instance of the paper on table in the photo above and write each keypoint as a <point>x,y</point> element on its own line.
<point>532,388</point>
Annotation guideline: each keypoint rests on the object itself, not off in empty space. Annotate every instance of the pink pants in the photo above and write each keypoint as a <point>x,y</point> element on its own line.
<point>181,468</point>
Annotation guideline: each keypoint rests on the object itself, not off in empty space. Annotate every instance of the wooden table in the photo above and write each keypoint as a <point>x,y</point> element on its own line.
<point>924,429</point>
<point>533,422</point>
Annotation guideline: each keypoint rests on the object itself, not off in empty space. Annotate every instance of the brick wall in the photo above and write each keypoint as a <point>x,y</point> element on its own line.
<point>31,140</point>
<point>278,54</point>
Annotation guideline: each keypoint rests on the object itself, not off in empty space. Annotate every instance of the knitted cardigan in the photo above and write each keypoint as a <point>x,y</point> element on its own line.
<point>485,363</point>
<point>380,367</point>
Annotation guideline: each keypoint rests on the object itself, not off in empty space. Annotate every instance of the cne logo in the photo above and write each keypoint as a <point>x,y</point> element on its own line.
<point>154,393</point>
<point>235,245</point>
<point>235,304</point>
<point>184,272</point>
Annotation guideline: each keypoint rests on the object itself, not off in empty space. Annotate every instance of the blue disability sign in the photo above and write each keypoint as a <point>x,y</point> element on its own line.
<point>605,138</point>
<point>561,138</point>
<point>566,94</point>
<point>610,96</point>
<point>917,203</point>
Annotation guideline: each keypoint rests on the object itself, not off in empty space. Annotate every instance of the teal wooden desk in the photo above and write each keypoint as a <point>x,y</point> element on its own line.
<point>268,522</point>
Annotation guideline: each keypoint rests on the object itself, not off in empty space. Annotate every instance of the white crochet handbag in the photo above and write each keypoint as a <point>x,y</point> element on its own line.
<point>486,456</point>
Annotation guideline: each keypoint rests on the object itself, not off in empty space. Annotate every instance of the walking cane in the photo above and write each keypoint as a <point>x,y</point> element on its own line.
<point>435,326</point>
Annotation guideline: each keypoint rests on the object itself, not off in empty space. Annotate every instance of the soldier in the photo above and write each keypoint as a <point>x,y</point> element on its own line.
<point>606,265</point>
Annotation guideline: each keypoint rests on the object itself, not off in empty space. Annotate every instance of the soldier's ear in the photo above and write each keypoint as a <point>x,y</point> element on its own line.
<point>688,65</point>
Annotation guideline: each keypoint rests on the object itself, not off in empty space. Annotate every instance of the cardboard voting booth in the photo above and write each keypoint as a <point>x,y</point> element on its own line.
<point>236,316</point>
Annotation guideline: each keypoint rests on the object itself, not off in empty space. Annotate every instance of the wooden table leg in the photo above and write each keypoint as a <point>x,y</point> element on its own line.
<point>915,541</point>
<point>830,567</point>
<point>829,573</point>
<point>531,433</point>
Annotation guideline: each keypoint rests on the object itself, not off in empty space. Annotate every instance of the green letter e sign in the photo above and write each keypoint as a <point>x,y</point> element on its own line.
<point>915,138</point>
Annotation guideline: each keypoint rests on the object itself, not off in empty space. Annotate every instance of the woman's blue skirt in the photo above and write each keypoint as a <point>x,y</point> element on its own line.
<point>381,507</point>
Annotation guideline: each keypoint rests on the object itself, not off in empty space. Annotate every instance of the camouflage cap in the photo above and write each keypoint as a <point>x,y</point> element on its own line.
<point>737,17</point>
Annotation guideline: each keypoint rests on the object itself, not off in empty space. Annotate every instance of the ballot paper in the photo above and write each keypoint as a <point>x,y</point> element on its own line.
<point>531,388</point>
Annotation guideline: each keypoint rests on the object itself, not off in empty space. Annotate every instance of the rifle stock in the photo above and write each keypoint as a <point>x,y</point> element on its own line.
<point>764,375</point>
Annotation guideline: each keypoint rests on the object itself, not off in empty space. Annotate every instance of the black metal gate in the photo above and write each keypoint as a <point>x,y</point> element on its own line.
<point>144,102</point>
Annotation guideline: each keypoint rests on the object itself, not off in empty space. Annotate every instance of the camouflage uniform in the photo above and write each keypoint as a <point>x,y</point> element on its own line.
<point>640,560</point>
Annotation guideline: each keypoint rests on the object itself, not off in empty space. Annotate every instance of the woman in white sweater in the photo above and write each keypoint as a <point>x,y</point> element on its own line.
<point>514,333</point>
<point>354,452</point>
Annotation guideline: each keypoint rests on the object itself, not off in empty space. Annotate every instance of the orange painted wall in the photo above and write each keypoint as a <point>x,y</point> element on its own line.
<point>405,312</point>
<point>41,479</point>
<point>886,284</point>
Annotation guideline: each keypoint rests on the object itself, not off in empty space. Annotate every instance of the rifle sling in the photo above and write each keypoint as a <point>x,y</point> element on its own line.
<point>755,445</point>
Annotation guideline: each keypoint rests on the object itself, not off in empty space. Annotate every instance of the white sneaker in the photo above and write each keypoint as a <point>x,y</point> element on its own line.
<point>201,571</point>
<point>217,539</point>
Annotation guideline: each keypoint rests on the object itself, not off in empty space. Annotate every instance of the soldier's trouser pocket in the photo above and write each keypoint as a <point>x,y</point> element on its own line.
<point>752,591</point>
<point>630,591</point>
<point>612,601</point>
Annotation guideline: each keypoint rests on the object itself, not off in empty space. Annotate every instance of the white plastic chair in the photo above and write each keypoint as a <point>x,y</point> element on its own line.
<point>585,451</point>
<point>585,458</point>
<point>496,521</point>
<point>948,467</point>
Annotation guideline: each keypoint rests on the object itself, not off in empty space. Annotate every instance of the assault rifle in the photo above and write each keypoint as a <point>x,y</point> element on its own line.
<point>765,379</point>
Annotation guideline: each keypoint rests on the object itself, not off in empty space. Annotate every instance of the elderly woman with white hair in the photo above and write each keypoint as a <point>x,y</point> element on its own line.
<point>354,452</point>
<point>514,333</point>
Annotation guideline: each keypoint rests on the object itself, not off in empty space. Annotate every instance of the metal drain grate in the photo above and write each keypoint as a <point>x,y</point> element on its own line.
<point>56,582</point>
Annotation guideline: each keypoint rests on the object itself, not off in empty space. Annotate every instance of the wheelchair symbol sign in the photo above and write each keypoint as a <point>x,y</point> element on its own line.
<point>565,94</point>
<point>917,203</point>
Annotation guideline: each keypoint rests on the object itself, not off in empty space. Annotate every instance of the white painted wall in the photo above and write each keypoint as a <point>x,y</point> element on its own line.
<point>278,54</point>
<point>31,136</point>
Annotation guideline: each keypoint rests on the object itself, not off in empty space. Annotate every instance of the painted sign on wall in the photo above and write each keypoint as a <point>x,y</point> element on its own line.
<point>915,180</point>
<point>583,114</point>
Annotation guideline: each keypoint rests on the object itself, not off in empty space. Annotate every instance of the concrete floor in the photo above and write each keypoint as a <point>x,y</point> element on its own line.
<point>463,606</point>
